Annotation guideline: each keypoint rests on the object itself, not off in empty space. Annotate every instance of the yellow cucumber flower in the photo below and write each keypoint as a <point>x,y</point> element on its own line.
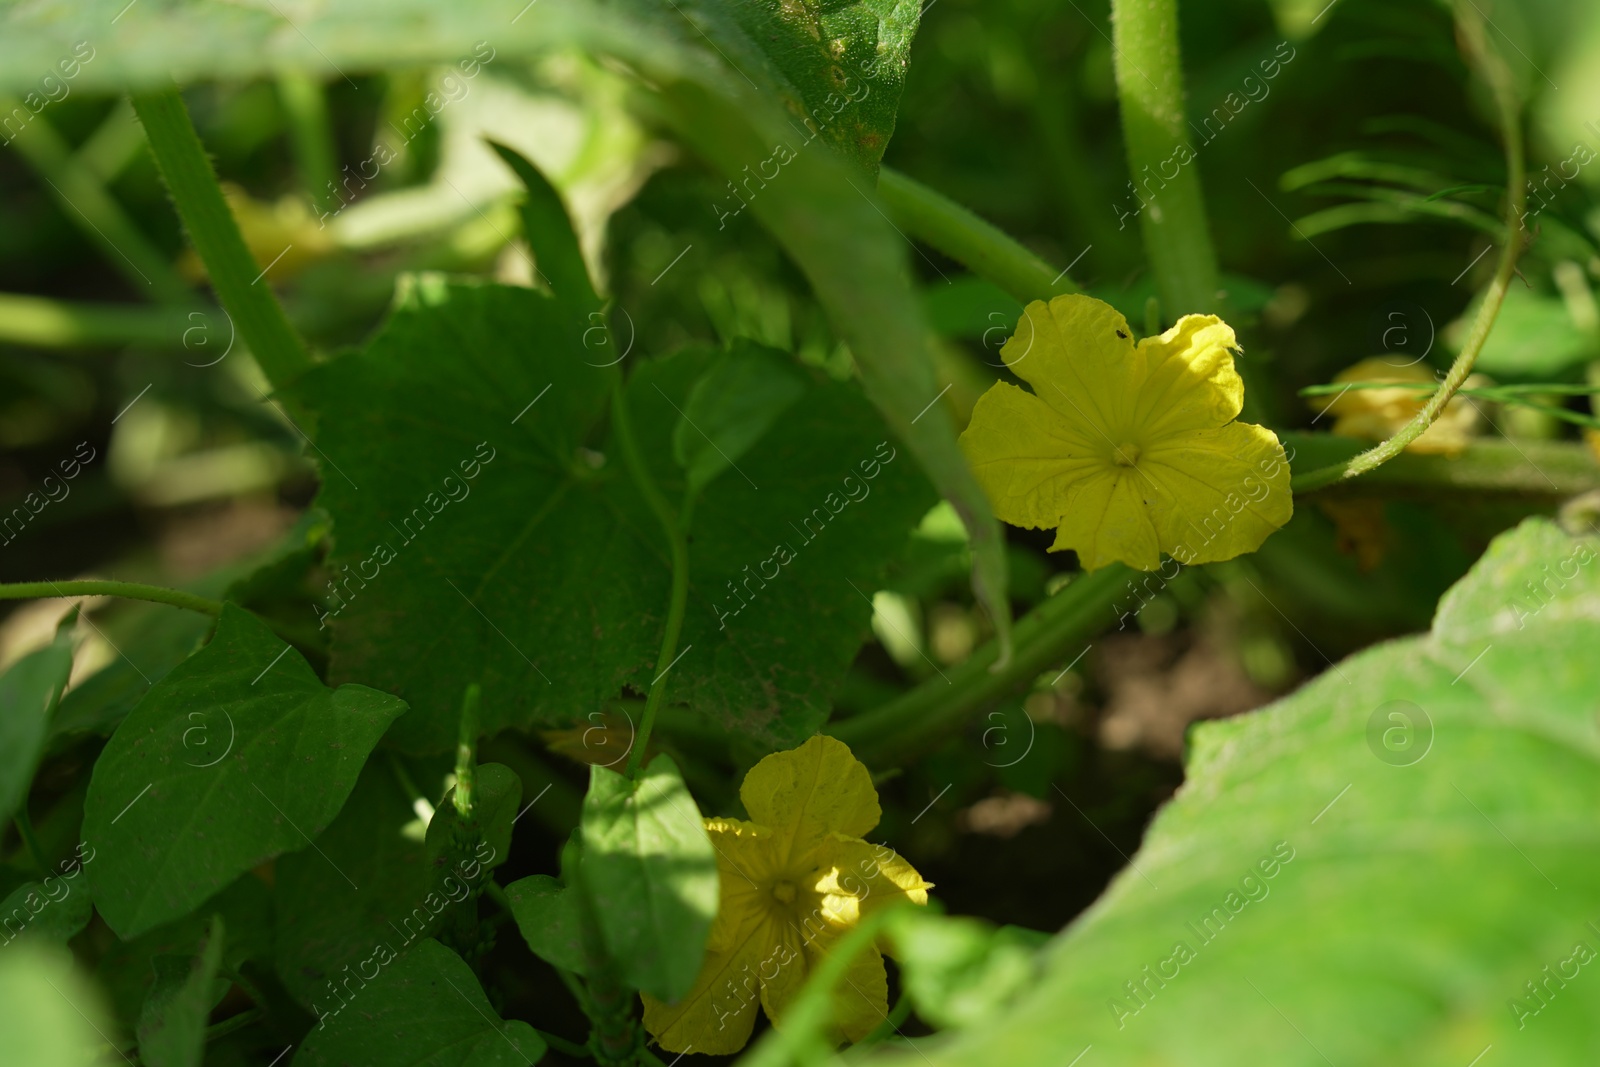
<point>1130,449</point>
<point>794,879</point>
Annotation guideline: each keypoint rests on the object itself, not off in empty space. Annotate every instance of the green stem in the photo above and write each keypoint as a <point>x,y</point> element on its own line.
<point>235,1022</point>
<point>1173,219</point>
<point>45,323</point>
<point>234,272</point>
<point>114,144</point>
<point>675,526</point>
<point>1542,470</point>
<point>1500,82</point>
<point>1521,396</point>
<point>467,751</point>
<point>90,208</point>
<point>311,135</point>
<point>565,1047</point>
<point>251,990</point>
<point>892,733</point>
<point>970,241</point>
<point>156,594</point>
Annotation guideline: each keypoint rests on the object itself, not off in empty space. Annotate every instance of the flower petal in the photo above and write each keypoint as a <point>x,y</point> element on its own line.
<point>747,859</point>
<point>861,999</point>
<point>808,792</point>
<point>1026,457</point>
<point>1078,354</point>
<point>1108,519</point>
<point>788,967</point>
<point>1225,491</point>
<point>856,877</point>
<point>717,1015</point>
<point>1190,380</point>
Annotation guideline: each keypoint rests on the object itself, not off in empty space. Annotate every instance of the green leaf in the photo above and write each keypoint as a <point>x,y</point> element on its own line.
<point>172,1023</point>
<point>29,691</point>
<point>236,756</point>
<point>546,913</point>
<point>649,868</point>
<point>424,1009</point>
<point>1408,840</point>
<point>487,835</point>
<point>959,971</point>
<point>473,426</point>
<point>55,910</point>
<point>50,1015</point>
<point>730,407</point>
<point>549,232</point>
<point>326,930</point>
<point>842,65</point>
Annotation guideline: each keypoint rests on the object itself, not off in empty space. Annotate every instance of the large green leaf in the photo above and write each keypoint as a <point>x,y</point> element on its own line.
<point>1397,864</point>
<point>649,868</point>
<point>238,755</point>
<point>422,1009</point>
<point>486,531</point>
<point>29,690</point>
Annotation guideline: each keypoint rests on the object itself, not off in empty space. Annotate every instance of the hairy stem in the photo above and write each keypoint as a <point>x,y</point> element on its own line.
<point>234,273</point>
<point>1172,211</point>
<point>970,241</point>
<point>156,594</point>
<point>894,732</point>
<point>1499,77</point>
<point>675,526</point>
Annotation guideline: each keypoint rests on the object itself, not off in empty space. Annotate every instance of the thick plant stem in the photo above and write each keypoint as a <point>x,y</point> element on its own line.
<point>156,594</point>
<point>970,241</point>
<point>235,275</point>
<point>675,526</point>
<point>1499,77</point>
<point>893,733</point>
<point>88,206</point>
<point>1166,181</point>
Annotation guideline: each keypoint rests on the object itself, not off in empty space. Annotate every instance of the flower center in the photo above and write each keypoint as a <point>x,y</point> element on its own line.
<point>1126,454</point>
<point>783,892</point>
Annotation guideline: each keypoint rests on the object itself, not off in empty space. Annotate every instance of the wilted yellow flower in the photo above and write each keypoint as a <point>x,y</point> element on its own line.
<point>1377,414</point>
<point>794,880</point>
<point>1129,449</point>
